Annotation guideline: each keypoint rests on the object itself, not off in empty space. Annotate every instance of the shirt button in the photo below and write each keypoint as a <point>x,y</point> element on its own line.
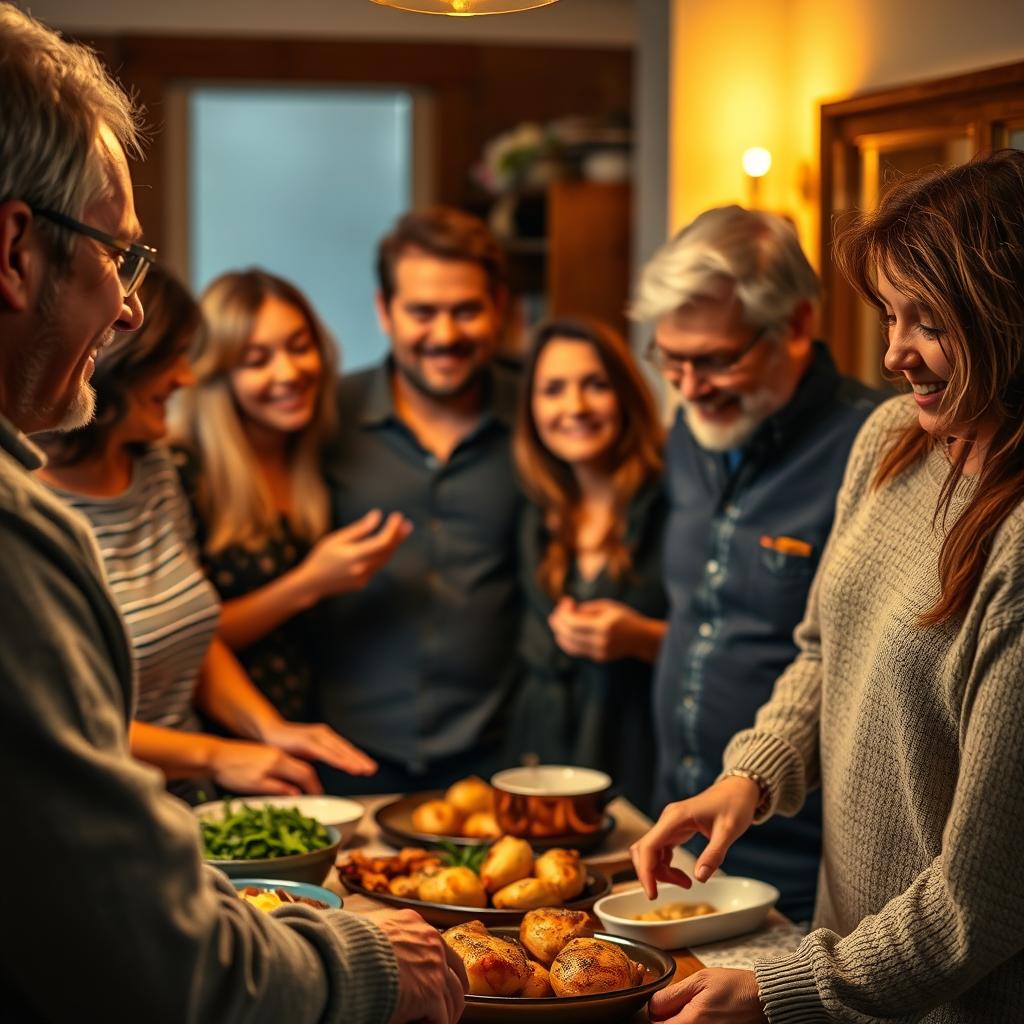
<point>689,703</point>
<point>432,462</point>
<point>732,511</point>
<point>689,761</point>
<point>705,629</point>
<point>713,567</point>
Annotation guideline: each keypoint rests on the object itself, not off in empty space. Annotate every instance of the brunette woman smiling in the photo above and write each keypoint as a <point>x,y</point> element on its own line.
<point>588,450</point>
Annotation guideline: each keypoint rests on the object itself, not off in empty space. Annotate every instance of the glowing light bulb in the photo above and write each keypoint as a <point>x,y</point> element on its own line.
<point>757,161</point>
<point>460,6</point>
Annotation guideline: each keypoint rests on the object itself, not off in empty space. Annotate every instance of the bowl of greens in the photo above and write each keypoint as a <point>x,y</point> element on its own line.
<point>246,841</point>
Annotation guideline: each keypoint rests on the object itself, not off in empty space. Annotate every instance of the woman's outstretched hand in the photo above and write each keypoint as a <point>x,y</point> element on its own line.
<point>722,813</point>
<point>319,742</point>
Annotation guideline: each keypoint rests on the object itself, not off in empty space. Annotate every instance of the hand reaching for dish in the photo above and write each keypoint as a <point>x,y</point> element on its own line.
<point>432,980</point>
<point>722,813</point>
<point>318,742</point>
<point>241,766</point>
<point>605,630</point>
<point>349,558</point>
<point>719,994</point>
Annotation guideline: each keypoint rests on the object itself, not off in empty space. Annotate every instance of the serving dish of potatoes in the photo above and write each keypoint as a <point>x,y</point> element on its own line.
<point>496,887</point>
<point>463,815</point>
<point>553,967</point>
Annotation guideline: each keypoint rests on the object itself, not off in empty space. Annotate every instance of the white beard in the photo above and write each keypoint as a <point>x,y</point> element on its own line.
<point>726,436</point>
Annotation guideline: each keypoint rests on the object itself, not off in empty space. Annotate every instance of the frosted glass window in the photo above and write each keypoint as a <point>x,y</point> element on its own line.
<point>302,182</point>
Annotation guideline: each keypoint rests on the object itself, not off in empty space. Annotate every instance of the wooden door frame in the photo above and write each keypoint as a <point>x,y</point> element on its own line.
<point>979,101</point>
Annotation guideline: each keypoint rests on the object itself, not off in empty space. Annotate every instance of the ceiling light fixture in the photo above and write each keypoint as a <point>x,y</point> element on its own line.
<point>464,8</point>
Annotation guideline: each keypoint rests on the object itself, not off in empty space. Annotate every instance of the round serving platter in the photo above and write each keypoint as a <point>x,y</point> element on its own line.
<point>608,1006</point>
<point>443,915</point>
<point>394,820</point>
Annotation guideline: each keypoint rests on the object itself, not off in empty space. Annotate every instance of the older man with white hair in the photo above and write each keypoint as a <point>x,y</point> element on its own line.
<point>753,465</point>
<point>108,912</point>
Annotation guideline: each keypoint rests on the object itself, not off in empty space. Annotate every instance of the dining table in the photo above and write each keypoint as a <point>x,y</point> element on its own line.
<point>778,935</point>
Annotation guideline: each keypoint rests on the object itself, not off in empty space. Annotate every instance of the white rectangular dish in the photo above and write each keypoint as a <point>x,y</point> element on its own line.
<point>742,905</point>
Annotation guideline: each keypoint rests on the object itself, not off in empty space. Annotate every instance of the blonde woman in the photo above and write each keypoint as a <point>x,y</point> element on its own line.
<point>250,434</point>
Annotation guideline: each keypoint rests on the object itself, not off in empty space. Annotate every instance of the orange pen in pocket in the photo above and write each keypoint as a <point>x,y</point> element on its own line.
<point>787,546</point>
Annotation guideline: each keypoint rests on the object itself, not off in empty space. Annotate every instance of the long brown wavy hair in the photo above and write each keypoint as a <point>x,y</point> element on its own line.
<point>634,460</point>
<point>954,242</point>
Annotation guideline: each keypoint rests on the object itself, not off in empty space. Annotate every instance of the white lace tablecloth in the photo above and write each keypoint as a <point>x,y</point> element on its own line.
<point>776,938</point>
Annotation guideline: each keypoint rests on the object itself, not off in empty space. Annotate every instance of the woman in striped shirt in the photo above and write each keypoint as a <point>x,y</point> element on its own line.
<point>117,474</point>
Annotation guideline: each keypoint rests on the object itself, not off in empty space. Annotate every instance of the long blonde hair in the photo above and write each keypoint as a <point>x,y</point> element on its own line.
<point>234,500</point>
<point>635,459</point>
<point>954,240</point>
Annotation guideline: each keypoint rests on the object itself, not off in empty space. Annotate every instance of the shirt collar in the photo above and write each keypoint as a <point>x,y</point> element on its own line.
<point>816,390</point>
<point>19,447</point>
<point>500,389</point>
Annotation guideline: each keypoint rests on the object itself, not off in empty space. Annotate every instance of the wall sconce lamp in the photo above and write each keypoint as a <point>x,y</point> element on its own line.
<point>757,162</point>
<point>464,8</point>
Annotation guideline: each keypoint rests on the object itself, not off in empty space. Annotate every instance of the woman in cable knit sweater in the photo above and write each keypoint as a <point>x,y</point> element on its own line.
<point>906,701</point>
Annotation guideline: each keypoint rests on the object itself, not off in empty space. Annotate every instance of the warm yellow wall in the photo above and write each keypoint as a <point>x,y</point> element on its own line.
<point>754,72</point>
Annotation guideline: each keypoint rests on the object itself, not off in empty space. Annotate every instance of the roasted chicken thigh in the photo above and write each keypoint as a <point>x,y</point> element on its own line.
<point>546,931</point>
<point>588,966</point>
<point>494,966</point>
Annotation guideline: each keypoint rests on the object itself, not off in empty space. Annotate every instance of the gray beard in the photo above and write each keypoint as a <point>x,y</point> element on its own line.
<point>29,405</point>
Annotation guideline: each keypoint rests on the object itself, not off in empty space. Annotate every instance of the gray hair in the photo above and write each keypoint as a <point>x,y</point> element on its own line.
<point>758,251</point>
<point>54,97</point>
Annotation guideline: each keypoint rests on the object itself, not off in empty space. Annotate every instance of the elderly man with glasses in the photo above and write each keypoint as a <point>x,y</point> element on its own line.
<point>753,465</point>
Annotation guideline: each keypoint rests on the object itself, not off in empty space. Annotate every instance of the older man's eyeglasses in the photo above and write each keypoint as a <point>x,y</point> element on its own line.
<point>713,364</point>
<point>133,258</point>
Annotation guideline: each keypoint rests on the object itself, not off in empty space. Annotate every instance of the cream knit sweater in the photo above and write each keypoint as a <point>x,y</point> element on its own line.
<point>917,739</point>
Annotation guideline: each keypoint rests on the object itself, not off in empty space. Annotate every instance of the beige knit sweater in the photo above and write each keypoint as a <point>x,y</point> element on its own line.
<point>917,739</point>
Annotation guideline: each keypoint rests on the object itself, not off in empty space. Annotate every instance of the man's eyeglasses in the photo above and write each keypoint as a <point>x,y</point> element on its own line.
<point>133,258</point>
<point>710,365</point>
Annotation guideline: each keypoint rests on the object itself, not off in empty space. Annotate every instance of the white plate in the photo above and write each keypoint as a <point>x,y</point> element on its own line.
<point>343,814</point>
<point>743,904</point>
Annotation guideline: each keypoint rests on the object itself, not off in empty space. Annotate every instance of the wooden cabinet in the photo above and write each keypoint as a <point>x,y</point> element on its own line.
<point>589,250</point>
<point>580,266</point>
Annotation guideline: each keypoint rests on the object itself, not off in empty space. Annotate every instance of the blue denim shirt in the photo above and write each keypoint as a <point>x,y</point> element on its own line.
<point>741,548</point>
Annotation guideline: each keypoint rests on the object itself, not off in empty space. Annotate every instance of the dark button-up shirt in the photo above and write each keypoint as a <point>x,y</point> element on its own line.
<point>416,666</point>
<point>741,549</point>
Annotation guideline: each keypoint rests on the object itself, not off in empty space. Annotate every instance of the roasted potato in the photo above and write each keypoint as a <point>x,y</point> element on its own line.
<point>437,818</point>
<point>564,870</point>
<point>526,894</point>
<point>481,825</point>
<point>455,887</point>
<point>471,796</point>
<point>508,860</point>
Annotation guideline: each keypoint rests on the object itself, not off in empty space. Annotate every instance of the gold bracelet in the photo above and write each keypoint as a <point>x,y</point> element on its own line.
<point>765,793</point>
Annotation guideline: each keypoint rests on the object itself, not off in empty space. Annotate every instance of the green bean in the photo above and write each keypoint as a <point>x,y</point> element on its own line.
<point>257,833</point>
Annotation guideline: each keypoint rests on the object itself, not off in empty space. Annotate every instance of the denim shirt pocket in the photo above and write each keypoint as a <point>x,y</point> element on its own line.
<point>783,566</point>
